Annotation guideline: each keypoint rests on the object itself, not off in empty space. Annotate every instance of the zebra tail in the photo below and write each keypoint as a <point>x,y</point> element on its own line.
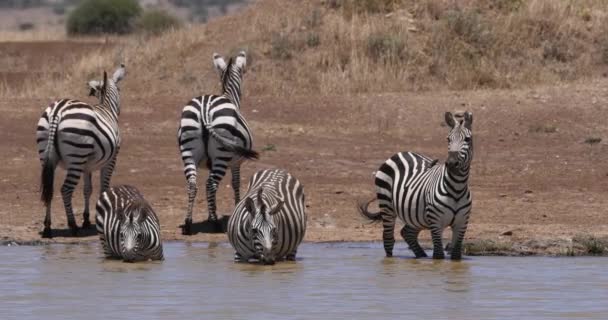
<point>372,216</point>
<point>47,176</point>
<point>249,154</point>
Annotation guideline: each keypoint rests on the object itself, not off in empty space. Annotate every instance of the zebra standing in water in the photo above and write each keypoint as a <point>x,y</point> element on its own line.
<point>81,138</point>
<point>270,222</point>
<point>425,195</point>
<point>213,131</point>
<point>127,226</point>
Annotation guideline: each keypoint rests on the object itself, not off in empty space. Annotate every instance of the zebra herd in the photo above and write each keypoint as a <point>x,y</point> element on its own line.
<point>269,223</point>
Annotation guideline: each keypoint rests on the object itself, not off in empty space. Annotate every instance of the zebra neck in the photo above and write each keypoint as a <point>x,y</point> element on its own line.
<point>233,92</point>
<point>112,104</point>
<point>457,180</point>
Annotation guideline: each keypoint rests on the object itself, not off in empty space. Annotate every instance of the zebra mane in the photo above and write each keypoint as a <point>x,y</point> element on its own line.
<point>140,205</point>
<point>226,75</point>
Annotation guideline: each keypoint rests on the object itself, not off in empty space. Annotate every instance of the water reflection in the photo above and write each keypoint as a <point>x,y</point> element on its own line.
<point>329,281</point>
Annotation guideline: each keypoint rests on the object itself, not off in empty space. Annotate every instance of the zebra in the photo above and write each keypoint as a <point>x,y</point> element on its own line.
<point>213,131</point>
<point>425,194</point>
<point>270,222</point>
<point>127,226</point>
<point>81,138</point>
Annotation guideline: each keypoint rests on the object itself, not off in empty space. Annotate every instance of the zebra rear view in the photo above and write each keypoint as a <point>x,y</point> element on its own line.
<point>127,226</point>
<point>427,195</point>
<point>81,138</point>
<point>213,132</point>
<point>270,222</point>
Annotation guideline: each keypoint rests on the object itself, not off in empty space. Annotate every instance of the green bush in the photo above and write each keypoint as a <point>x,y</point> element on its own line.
<point>103,16</point>
<point>156,22</point>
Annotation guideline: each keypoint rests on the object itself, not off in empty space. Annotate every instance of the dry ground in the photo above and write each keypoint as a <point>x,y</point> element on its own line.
<point>533,174</point>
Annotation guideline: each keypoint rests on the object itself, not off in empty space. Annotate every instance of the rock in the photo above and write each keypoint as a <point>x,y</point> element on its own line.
<point>507,233</point>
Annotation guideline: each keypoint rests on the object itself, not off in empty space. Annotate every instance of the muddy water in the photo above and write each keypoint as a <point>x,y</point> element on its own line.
<point>330,281</point>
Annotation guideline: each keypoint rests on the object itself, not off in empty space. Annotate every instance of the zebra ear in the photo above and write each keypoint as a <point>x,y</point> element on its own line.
<point>119,74</point>
<point>277,208</point>
<point>450,120</point>
<point>94,86</point>
<point>241,60</point>
<point>250,206</point>
<point>468,120</point>
<point>219,63</point>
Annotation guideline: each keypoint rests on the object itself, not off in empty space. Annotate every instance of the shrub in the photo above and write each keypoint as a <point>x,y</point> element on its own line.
<point>313,40</point>
<point>156,22</point>
<point>281,47</point>
<point>103,16</point>
<point>386,48</point>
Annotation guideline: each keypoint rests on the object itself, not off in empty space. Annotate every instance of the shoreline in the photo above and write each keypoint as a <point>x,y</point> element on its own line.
<point>586,245</point>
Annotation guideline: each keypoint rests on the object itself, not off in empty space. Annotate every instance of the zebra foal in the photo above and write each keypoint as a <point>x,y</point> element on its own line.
<point>212,131</point>
<point>81,138</point>
<point>127,226</point>
<point>270,222</point>
<point>427,195</point>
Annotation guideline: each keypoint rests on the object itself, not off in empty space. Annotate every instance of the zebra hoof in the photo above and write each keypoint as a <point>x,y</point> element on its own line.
<point>187,228</point>
<point>291,257</point>
<point>438,257</point>
<point>389,254</point>
<point>47,233</point>
<point>86,224</point>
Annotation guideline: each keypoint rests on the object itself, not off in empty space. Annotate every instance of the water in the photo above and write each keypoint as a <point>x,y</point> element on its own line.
<point>329,281</point>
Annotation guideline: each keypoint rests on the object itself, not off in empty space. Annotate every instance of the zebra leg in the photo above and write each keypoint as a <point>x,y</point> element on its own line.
<point>236,183</point>
<point>410,235</point>
<point>47,223</point>
<point>212,182</point>
<point>88,190</point>
<point>192,190</point>
<point>106,174</point>
<point>436,233</point>
<point>458,230</point>
<point>67,190</point>
<point>388,235</point>
<point>292,255</point>
<point>238,257</point>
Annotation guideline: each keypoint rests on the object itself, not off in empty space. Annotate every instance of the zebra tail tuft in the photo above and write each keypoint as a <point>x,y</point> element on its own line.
<point>372,216</point>
<point>47,177</point>
<point>232,146</point>
<point>46,181</point>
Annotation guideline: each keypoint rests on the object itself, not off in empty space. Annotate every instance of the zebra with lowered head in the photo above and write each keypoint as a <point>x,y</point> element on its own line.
<point>212,131</point>
<point>81,138</point>
<point>427,195</point>
<point>127,226</point>
<point>270,222</point>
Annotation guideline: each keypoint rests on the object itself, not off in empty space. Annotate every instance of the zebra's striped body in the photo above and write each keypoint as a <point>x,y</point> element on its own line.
<point>127,226</point>
<point>81,138</point>
<point>427,195</point>
<point>212,131</point>
<point>270,222</point>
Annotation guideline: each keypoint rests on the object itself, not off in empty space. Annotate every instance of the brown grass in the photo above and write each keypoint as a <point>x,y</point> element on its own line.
<point>345,46</point>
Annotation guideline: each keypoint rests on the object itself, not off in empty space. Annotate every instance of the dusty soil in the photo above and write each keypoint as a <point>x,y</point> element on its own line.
<point>533,175</point>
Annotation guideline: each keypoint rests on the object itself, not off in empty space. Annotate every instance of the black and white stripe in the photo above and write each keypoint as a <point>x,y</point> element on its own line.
<point>81,138</point>
<point>270,222</point>
<point>127,226</point>
<point>212,131</point>
<point>427,195</point>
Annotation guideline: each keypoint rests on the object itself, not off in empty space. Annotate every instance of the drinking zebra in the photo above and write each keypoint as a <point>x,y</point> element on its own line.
<point>127,226</point>
<point>270,222</point>
<point>425,195</point>
<point>213,131</point>
<point>81,138</point>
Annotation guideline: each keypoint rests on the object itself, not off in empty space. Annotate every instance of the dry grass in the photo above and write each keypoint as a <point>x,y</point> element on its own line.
<point>345,46</point>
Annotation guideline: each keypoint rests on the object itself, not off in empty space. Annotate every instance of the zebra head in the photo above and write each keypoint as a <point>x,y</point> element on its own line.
<point>107,90</point>
<point>231,75</point>
<point>132,233</point>
<point>460,142</point>
<point>263,230</point>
